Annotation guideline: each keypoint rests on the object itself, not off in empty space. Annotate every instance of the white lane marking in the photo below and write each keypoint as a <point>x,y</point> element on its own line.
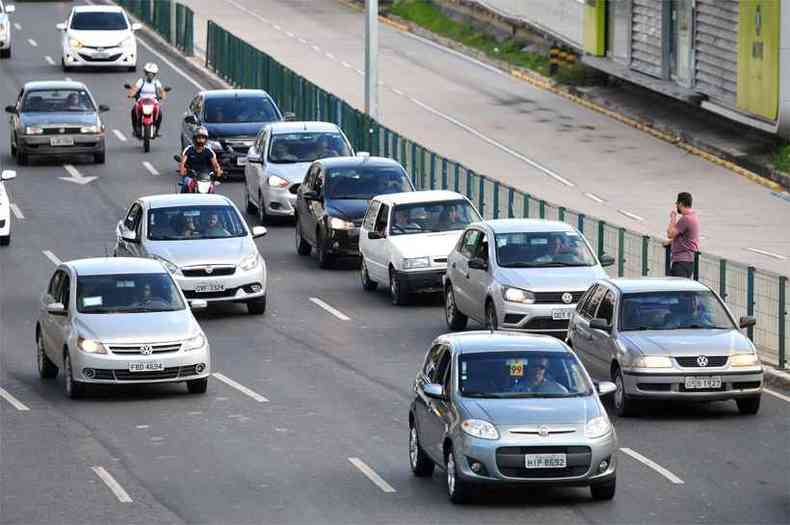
<point>594,197</point>
<point>120,135</point>
<point>16,211</point>
<point>316,49</point>
<point>76,176</point>
<point>49,60</point>
<point>17,26</point>
<point>632,215</point>
<point>241,388</point>
<point>278,28</point>
<point>51,256</point>
<point>141,427</point>
<point>359,71</point>
<point>652,464</point>
<point>14,401</point>
<point>494,143</point>
<point>330,56</point>
<point>290,34</point>
<point>249,12</point>
<point>347,65</point>
<point>148,166</point>
<point>32,42</point>
<point>302,40</point>
<point>777,395</point>
<point>398,92</point>
<point>332,310</point>
<point>113,485</point>
<point>372,475</point>
<point>767,254</point>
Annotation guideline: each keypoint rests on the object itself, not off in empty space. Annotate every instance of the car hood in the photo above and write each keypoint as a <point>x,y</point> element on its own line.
<point>291,172</point>
<point>154,327</point>
<point>575,278</point>
<point>425,244</point>
<point>350,209</point>
<point>688,342</point>
<point>65,117</point>
<point>99,38</point>
<point>527,412</point>
<point>247,130</point>
<point>198,252</point>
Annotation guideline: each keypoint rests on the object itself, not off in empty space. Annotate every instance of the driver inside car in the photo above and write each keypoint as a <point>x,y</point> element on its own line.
<point>214,227</point>
<point>536,379</point>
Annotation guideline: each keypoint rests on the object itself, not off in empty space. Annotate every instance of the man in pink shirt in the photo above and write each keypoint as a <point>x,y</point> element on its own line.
<point>683,232</point>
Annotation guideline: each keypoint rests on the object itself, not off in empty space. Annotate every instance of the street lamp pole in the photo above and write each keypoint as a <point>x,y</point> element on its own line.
<point>372,59</point>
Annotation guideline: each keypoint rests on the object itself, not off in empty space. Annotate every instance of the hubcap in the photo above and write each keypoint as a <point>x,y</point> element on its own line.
<point>491,318</point>
<point>39,355</point>
<point>297,236</point>
<point>393,288</point>
<point>451,473</point>
<point>363,272</point>
<point>413,447</point>
<point>450,309</point>
<point>619,394</point>
<point>68,375</point>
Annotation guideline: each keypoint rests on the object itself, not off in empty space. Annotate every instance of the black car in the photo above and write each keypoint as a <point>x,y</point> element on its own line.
<point>56,119</point>
<point>233,118</point>
<point>333,200</point>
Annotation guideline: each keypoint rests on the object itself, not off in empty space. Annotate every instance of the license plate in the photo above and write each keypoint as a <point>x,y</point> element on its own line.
<point>561,315</point>
<point>545,461</point>
<point>146,366</point>
<point>693,383</point>
<point>209,287</point>
<point>61,141</point>
<point>241,161</point>
<point>101,55</point>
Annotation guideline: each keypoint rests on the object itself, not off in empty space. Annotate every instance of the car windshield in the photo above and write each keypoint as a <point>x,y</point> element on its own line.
<point>127,293</point>
<point>428,217</point>
<point>290,148</point>
<point>99,21</point>
<point>517,374</point>
<point>194,222</point>
<point>673,311</point>
<point>365,182</point>
<point>57,101</point>
<point>542,250</point>
<point>230,110</point>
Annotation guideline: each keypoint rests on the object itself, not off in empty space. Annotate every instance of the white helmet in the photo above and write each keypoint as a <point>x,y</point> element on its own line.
<point>151,68</point>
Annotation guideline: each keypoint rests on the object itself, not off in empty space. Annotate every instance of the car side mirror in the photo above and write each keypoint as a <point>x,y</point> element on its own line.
<point>747,321</point>
<point>373,236</point>
<point>103,108</point>
<point>478,263</point>
<point>191,120</point>
<point>433,391</point>
<point>607,260</point>
<point>11,109</point>
<point>8,175</point>
<point>289,116</point>
<point>128,235</point>
<point>258,231</point>
<point>61,26</point>
<point>137,26</point>
<point>254,159</point>
<point>600,324</point>
<point>606,388</point>
<point>198,304</point>
<point>10,9</point>
<point>56,309</point>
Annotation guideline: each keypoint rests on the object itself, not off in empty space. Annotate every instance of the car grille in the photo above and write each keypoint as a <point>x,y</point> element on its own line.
<point>157,348</point>
<point>61,130</point>
<point>294,188</point>
<point>556,297</point>
<point>691,362</point>
<point>746,385</point>
<point>173,372</point>
<point>2,223</point>
<point>655,387</point>
<point>202,271</point>
<point>440,260</point>
<point>111,58</point>
<point>510,462</point>
<point>546,323</point>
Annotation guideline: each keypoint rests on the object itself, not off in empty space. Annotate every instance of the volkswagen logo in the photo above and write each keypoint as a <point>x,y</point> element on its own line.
<point>146,350</point>
<point>702,361</point>
<point>567,298</point>
<point>543,431</point>
<point>209,270</point>
<point>62,130</point>
<point>100,50</point>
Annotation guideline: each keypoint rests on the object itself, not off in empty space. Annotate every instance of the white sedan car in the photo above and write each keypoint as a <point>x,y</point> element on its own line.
<point>5,30</point>
<point>405,239</point>
<point>99,36</point>
<point>5,209</point>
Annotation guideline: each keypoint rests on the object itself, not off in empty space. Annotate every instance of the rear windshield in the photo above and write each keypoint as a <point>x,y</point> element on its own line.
<point>231,110</point>
<point>99,22</point>
<point>57,100</point>
<point>365,182</point>
<point>127,293</point>
<point>290,148</point>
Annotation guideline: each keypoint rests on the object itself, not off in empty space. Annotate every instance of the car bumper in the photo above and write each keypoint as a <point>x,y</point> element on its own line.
<point>534,318</point>
<point>114,369</point>
<point>279,201</point>
<point>232,160</point>
<point>111,57</point>
<point>5,42</point>
<point>242,286</point>
<point>671,386</point>
<point>41,145</point>
<point>5,224</point>
<point>343,242</point>
<point>421,281</point>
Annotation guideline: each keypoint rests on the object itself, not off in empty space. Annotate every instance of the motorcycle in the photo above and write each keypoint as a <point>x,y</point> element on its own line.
<point>202,182</point>
<point>146,111</point>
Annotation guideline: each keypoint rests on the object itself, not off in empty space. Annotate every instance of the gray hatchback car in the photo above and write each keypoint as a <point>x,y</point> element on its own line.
<point>665,338</point>
<point>510,408</point>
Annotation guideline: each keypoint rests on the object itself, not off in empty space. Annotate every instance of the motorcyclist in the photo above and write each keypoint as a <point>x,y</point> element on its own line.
<point>148,86</point>
<point>198,157</point>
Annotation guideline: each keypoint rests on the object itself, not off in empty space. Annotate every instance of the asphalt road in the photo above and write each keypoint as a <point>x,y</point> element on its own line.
<point>323,390</point>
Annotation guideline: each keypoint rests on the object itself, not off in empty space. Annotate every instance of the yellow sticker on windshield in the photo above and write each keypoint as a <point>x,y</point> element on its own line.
<point>517,368</point>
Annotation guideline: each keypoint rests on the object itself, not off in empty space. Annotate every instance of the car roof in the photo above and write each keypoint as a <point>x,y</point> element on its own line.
<point>53,84</point>
<point>414,197</point>
<point>225,93</point>
<point>347,162</point>
<point>527,225</point>
<point>169,200</point>
<point>487,341</point>
<point>279,128</point>
<point>657,284</point>
<point>98,9</point>
<point>115,265</point>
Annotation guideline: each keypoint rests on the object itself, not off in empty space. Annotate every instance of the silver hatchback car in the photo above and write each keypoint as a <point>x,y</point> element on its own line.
<point>519,274</point>
<point>510,408</point>
<point>666,338</point>
<point>119,320</point>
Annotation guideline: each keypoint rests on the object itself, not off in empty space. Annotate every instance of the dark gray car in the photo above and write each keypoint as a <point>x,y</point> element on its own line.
<point>55,119</point>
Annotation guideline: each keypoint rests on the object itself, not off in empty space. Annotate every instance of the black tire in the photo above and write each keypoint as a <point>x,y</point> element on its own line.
<point>397,295</point>
<point>100,158</point>
<point>263,217</point>
<point>5,53</point>
<point>46,368</point>
<point>13,149</point>
<point>257,307</point>
<point>73,389</point>
<point>624,406</point>
<point>456,320</point>
<point>421,464</point>
<point>492,320</point>
<point>367,283</point>
<point>303,247</point>
<point>197,386</point>
<point>325,259</point>
<point>604,491</point>
<point>22,158</point>
<point>146,138</point>
<point>749,405</point>
<point>250,208</point>
<point>66,68</point>
<point>457,489</point>
<point>5,240</point>
<point>132,69</point>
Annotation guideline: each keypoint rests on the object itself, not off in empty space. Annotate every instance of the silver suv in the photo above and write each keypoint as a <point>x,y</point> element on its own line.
<point>519,274</point>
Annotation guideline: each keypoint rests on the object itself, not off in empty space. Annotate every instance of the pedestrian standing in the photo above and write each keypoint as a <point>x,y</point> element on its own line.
<point>683,233</point>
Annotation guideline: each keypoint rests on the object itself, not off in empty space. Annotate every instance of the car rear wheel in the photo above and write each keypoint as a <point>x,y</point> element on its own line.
<point>73,389</point>
<point>455,319</point>
<point>367,283</point>
<point>421,464</point>
<point>603,491</point>
<point>624,406</point>
<point>457,488</point>
<point>197,386</point>
<point>46,368</point>
<point>749,405</point>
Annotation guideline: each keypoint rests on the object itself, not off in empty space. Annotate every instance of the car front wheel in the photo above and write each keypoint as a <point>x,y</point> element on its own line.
<point>455,319</point>
<point>368,284</point>
<point>257,307</point>
<point>197,386</point>
<point>73,389</point>
<point>302,247</point>
<point>397,295</point>
<point>46,368</point>
<point>749,405</point>
<point>457,487</point>
<point>624,406</point>
<point>603,491</point>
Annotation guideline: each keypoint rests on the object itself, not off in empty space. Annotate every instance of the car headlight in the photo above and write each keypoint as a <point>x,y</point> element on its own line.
<point>277,182</point>
<point>597,427</point>
<point>249,262</point>
<point>744,360</point>
<point>214,145</point>
<point>340,224</point>
<point>148,109</point>
<point>74,43</point>
<point>653,361</point>
<point>517,295</point>
<point>193,343</point>
<point>416,262</point>
<point>480,429</point>
<point>89,129</point>
<point>31,130</point>
<point>89,346</point>
<point>172,268</point>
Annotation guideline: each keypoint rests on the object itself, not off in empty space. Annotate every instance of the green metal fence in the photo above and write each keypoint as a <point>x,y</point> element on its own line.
<point>746,290</point>
<point>159,15</point>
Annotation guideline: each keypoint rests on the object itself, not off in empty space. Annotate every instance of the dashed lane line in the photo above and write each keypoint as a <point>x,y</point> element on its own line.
<point>302,40</point>
<point>17,26</point>
<point>119,135</point>
<point>51,256</point>
<point>13,401</point>
<point>112,484</point>
<point>150,168</point>
<point>330,56</point>
<point>630,215</point>
<point>594,197</point>
<point>49,60</point>
<point>777,395</point>
<point>398,92</point>
<point>652,464</point>
<point>32,42</point>
<point>331,309</point>
<point>16,211</point>
<point>767,254</point>
<point>372,475</point>
<point>290,35</point>
<point>241,388</point>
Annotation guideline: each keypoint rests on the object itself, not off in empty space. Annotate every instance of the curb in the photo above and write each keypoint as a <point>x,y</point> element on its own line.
<point>778,379</point>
